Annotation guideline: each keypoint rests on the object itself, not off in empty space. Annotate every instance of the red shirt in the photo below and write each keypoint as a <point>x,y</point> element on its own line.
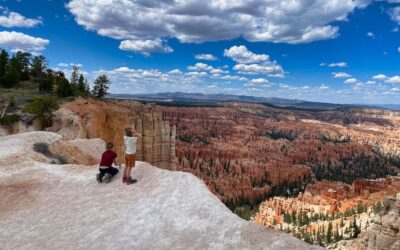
<point>107,158</point>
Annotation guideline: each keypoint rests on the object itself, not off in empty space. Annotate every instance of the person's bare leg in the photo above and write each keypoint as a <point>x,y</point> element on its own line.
<point>124,177</point>
<point>133,165</point>
<point>129,179</point>
<point>128,172</point>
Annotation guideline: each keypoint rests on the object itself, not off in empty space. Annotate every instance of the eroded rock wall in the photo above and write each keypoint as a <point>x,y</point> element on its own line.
<point>384,233</point>
<point>108,119</point>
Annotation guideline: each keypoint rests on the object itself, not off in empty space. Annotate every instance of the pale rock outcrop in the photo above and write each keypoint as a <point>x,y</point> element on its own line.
<point>26,124</point>
<point>384,233</point>
<point>107,120</point>
<point>80,151</point>
<point>68,124</point>
<point>50,206</point>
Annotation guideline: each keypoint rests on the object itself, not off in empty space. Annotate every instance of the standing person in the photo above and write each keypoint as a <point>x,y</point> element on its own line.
<point>107,159</point>
<point>131,137</point>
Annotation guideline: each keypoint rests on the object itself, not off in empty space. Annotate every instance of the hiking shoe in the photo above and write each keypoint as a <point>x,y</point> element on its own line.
<point>98,178</point>
<point>130,181</point>
<point>107,178</point>
<point>124,179</point>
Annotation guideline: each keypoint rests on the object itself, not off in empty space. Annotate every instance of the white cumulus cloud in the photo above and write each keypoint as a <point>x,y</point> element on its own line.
<point>241,54</point>
<point>253,64</point>
<point>200,67</point>
<point>14,19</point>
<point>272,70</point>
<point>393,79</point>
<point>261,81</point>
<point>338,64</point>
<point>340,75</point>
<point>219,71</point>
<point>395,14</point>
<point>379,77</point>
<point>351,81</point>
<point>175,72</point>
<point>20,41</point>
<point>145,47</point>
<point>189,21</point>
<point>206,57</point>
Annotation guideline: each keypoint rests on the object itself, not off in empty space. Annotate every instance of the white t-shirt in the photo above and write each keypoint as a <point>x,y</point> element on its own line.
<point>130,144</point>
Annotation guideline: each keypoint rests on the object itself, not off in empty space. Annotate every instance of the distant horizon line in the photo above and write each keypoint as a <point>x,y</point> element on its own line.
<point>302,100</point>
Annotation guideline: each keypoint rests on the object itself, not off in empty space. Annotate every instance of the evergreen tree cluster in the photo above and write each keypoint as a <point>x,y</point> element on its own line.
<point>16,68</point>
<point>348,170</point>
<point>23,66</point>
<point>324,235</point>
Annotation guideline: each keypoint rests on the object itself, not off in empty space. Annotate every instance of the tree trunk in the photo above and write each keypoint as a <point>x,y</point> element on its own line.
<point>4,111</point>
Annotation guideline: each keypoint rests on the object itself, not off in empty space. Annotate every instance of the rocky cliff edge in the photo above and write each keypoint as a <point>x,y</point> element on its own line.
<point>48,203</point>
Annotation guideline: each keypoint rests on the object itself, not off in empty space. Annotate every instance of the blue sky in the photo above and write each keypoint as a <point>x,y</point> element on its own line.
<point>338,51</point>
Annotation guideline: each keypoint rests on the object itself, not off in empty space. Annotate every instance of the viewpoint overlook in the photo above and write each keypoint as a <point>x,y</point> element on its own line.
<point>215,124</point>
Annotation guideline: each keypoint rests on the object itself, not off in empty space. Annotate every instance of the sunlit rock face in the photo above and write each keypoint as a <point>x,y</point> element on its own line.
<point>107,120</point>
<point>384,233</point>
<point>48,203</point>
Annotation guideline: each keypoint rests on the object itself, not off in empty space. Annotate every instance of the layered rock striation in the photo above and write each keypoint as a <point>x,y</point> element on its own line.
<point>108,119</point>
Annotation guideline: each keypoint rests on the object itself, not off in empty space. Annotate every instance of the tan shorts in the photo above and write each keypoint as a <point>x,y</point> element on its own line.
<point>130,160</point>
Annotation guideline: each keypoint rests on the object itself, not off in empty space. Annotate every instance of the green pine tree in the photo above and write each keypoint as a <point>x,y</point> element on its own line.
<point>329,233</point>
<point>46,84</point>
<point>13,73</point>
<point>101,85</point>
<point>4,59</point>
<point>356,228</point>
<point>64,88</point>
<point>23,59</point>
<point>82,87</point>
<point>39,64</point>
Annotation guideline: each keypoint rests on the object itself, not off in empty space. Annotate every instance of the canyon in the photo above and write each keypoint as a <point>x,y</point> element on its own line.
<point>331,169</point>
<point>332,213</point>
<point>248,152</point>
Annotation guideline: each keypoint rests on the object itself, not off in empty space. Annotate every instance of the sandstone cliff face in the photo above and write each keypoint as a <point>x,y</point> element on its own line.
<point>53,206</point>
<point>108,119</point>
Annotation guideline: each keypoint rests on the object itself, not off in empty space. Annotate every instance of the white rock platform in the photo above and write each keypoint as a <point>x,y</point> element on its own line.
<point>49,206</point>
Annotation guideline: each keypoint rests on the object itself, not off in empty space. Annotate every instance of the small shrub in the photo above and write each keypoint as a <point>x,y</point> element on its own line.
<point>42,108</point>
<point>9,119</point>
